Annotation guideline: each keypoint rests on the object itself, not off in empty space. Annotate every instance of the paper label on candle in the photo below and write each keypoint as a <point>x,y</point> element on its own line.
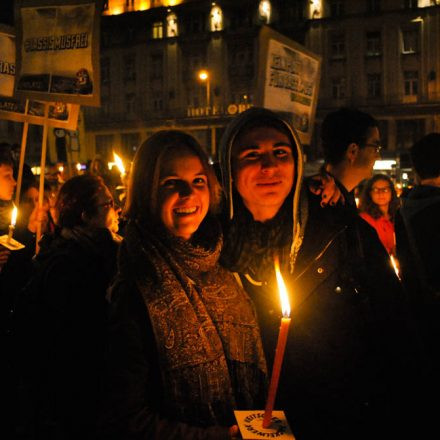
<point>251,425</point>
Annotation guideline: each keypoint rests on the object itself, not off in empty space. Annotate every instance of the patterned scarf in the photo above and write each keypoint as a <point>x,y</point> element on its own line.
<point>204,324</point>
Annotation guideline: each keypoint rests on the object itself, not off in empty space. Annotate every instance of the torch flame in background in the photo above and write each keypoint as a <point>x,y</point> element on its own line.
<point>285,306</point>
<point>14,216</point>
<point>119,163</point>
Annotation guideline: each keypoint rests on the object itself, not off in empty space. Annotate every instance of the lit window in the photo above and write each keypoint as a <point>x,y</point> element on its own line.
<point>315,9</point>
<point>374,85</point>
<point>216,19</point>
<point>411,82</point>
<point>172,25</point>
<point>265,11</point>
<point>158,30</point>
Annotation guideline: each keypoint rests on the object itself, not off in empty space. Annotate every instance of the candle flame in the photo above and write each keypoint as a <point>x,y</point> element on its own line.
<point>284,297</point>
<point>119,163</point>
<point>395,266</point>
<point>14,216</point>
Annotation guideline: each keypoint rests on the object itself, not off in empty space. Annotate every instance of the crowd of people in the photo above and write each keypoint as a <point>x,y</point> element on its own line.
<point>162,328</point>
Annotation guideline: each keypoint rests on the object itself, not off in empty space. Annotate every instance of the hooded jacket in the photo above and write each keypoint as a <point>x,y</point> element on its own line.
<point>347,339</point>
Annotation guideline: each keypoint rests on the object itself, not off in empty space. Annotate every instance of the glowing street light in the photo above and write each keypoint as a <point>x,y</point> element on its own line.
<point>203,75</point>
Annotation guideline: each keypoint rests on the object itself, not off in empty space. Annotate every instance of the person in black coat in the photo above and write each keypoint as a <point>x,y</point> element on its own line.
<point>62,314</point>
<point>349,349</point>
<point>418,242</point>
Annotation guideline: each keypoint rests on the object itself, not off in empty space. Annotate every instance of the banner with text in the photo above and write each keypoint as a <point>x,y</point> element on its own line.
<point>7,61</point>
<point>288,80</point>
<point>57,50</point>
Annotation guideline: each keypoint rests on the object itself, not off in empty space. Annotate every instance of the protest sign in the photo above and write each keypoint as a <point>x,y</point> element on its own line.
<point>288,80</point>
<point>58,50</point>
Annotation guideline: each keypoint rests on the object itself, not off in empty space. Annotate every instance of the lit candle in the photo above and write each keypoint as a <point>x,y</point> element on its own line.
<point>12,225</point>
<point>395,265</point>
<point>119,164</point>
<point>281,345</point>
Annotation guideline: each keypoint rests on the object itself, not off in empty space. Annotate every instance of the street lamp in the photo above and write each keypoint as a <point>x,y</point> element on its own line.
<point>204,76</point>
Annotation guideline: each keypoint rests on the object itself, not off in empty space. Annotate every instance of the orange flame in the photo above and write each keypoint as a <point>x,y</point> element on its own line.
<point>284,297</point>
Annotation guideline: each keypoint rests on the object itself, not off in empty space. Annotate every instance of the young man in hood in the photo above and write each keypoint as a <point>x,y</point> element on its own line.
<point>340,372</point>
<point>418,241</point>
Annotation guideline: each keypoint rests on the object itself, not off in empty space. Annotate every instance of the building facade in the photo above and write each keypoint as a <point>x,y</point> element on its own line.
<point>382,56</point>
<point>187,65</point>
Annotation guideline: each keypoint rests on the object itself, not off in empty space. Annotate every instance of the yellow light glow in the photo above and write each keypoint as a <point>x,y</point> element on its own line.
<point>119,163</point>
<point>203,75</point>
<point>14,216</point>
<point>61,169</point>
<point>284,297</point>
<point>78,167</point>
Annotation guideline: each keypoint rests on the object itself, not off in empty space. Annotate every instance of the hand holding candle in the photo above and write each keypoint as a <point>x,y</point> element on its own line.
<point>281,345</point>
<point>12,225</point>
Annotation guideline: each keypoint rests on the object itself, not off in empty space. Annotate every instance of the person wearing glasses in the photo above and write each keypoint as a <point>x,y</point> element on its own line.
<point>351,144</point>
<point>62,313</point>
<point>378,206</point>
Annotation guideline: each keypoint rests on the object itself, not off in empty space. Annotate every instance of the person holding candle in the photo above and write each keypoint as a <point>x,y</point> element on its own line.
<point>378,206</point>
<point>185,345</point>
<point>8,378</point>
<point>345,345</point>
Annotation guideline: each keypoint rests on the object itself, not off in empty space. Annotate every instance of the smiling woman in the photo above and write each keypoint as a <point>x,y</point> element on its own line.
<point>185,344</point>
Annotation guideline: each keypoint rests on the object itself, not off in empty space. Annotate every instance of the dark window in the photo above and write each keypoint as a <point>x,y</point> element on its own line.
<point>130,100</point>
<point>374,86</point>
<point>337,8</point>
<point>374,44</point>
<point>410,4</point>
<point>129,68</point>
<point>411,82</point>
<point>408,131</point>
<point>338,87</point>
<point>104,144</point>
<point>410,40</point>
<point>105,71</point>
<point>130,142</point>
<point>337,46</point>
<point>373,5</point>
<point>156,71</point>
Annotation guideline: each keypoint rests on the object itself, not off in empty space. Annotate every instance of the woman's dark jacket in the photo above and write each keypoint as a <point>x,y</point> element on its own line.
<point>184,343</point>
<point>62,327</point>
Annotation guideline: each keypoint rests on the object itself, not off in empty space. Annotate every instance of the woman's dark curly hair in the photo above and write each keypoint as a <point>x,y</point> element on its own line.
<point>366,203</point>
<point>78,196</point>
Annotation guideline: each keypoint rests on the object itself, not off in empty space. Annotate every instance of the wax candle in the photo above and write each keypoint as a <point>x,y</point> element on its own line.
<point>281,346</point>
<point>12,225</point>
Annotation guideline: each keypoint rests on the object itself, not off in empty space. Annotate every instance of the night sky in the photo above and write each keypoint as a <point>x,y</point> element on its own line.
<point>7,12</point>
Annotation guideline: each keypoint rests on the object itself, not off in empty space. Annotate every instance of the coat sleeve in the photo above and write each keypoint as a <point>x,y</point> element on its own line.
<point>133,402</point>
